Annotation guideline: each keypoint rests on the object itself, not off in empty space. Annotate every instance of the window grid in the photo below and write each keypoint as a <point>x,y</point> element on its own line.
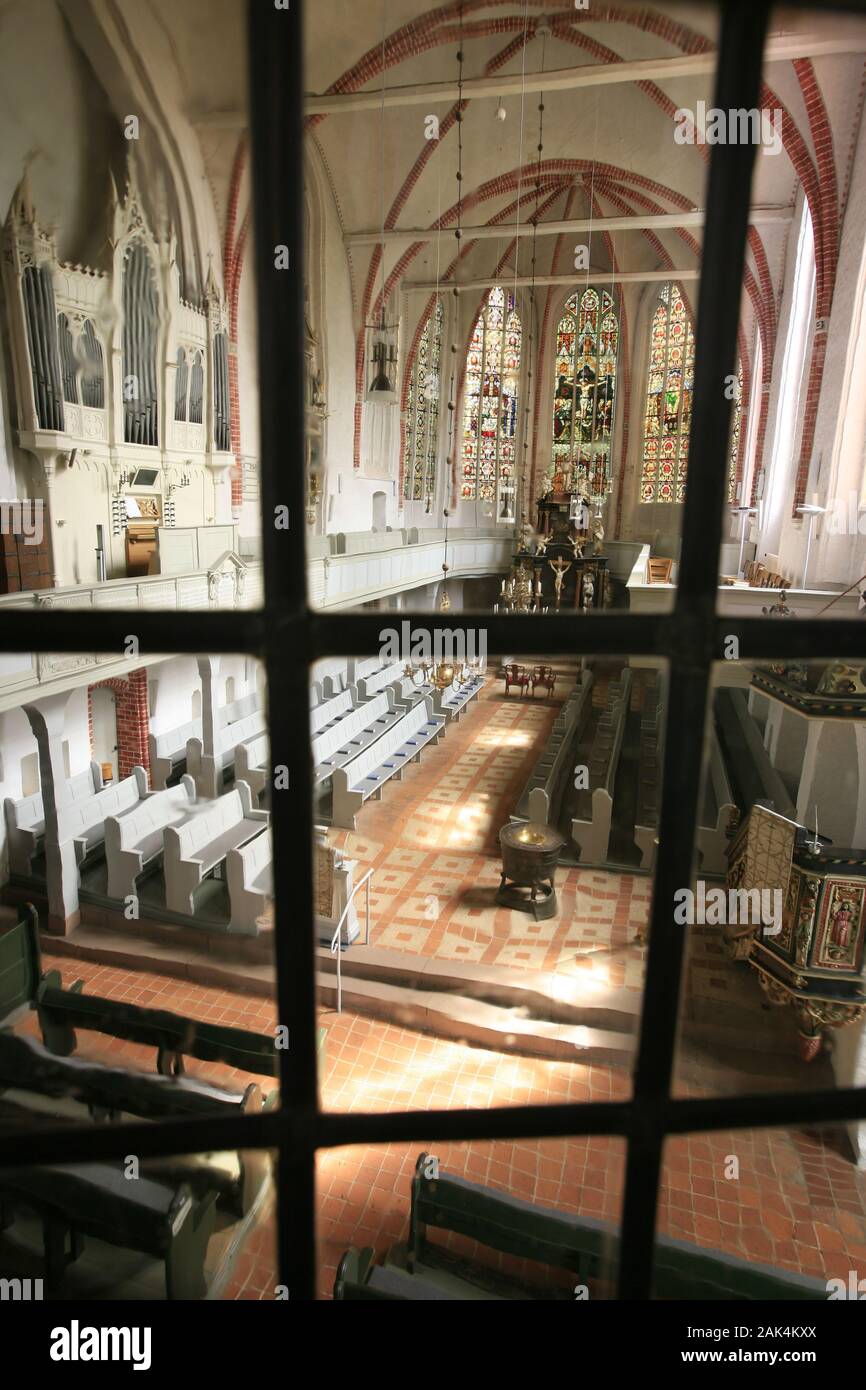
<point>690,638</point>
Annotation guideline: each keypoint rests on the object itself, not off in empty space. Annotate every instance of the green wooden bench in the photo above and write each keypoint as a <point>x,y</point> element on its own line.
<point>174,1036</point>
<point>61,1011</point>
<point>20,965</point>
<point>358,1278</point>
<point>583,1244</point>
<point>28,1070</point>
<point>158,1219</point>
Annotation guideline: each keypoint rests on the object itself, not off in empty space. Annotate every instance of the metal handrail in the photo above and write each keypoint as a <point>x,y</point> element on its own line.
<point>335,939</point>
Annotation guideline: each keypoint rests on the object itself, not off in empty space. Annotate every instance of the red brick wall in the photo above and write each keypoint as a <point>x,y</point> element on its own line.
<point>133,719</point>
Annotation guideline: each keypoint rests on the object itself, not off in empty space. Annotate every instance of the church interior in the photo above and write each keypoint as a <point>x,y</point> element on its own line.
<point>504,212</point>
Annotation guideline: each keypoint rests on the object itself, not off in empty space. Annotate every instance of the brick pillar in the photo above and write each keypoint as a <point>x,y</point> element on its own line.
<point>133,720</point>
<point>133,725</point>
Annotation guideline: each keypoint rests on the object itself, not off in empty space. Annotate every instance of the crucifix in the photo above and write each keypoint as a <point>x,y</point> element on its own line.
<point>560,569</point>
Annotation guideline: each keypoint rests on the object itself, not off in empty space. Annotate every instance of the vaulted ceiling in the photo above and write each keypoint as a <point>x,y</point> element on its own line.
<point>608,145</point>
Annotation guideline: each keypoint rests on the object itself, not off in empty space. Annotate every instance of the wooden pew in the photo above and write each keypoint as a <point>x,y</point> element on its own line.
<point>209,770</point>
<point>25,818</point>
<point>359,1278</point>
<point>83,822</point>
<point>649,775</point>
<point>238,709</point>
<point>388,677</point>
<point>345,740</point>
<point>747,763</point>
<point>60,1011</point>
<point>250,878</point>
<point>583,1245</point>
<point>35,1084</point>
<point>20,966</point>
<point>168,751</point>
<point>95,1199</point>
<point>590,828</point>
<point>541,797</point>
<point>453,703</point>
<point>196,848</point>
<point>323,716</point>
<point>366,775</point>
<point>134,842</point>
<point>718,808</point>
<point>251,764</point>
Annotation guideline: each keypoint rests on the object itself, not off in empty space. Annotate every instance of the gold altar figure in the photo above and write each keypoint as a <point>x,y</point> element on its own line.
<point>560,569</point>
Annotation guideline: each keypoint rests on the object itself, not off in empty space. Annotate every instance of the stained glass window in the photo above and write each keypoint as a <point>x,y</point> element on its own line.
<point>587,337</point>
<point>490,392</point>
<point>735,436</point>
<point>422,412</point>
<point>668,400</point>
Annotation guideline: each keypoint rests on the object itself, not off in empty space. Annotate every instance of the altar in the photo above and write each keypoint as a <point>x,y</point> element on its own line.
<point>565,569</point>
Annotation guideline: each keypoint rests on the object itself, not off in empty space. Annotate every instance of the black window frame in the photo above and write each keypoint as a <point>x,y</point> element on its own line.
<point>290,637</point>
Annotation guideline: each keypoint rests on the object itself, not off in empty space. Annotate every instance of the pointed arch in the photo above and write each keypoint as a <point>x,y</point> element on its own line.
<point>585,362</point>
<point>491,383</point>
<point>420,449</point>
<point>668,409</point>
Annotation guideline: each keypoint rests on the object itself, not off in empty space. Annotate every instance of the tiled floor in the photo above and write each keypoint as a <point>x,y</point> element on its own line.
<point>433,892</point>
<point>797,1201</point>
<point>791,1199</point>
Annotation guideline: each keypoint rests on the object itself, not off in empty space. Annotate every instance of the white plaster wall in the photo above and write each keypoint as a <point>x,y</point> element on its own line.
<point>173,682</point>
<point>16,743</point>
<point>171,686</point>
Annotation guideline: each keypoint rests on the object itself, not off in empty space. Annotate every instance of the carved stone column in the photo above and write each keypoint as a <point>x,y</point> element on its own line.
<point>208,667</point>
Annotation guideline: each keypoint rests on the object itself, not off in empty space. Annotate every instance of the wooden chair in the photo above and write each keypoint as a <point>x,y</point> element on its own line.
<point>755,573</point>
<point>516,675</point>
<point>544,676</point>
<point>659,570</point>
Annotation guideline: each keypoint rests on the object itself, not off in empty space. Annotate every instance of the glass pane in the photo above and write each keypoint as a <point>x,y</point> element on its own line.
<point>136,936</point>
<point>795,487</point>
<point>529,1219</point>
<point>763,1214</point>
<point>450,793</point>
<point>501,327</point>
<point>775,917</point>
<point>131,431</point>
<point>190,1226</point>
